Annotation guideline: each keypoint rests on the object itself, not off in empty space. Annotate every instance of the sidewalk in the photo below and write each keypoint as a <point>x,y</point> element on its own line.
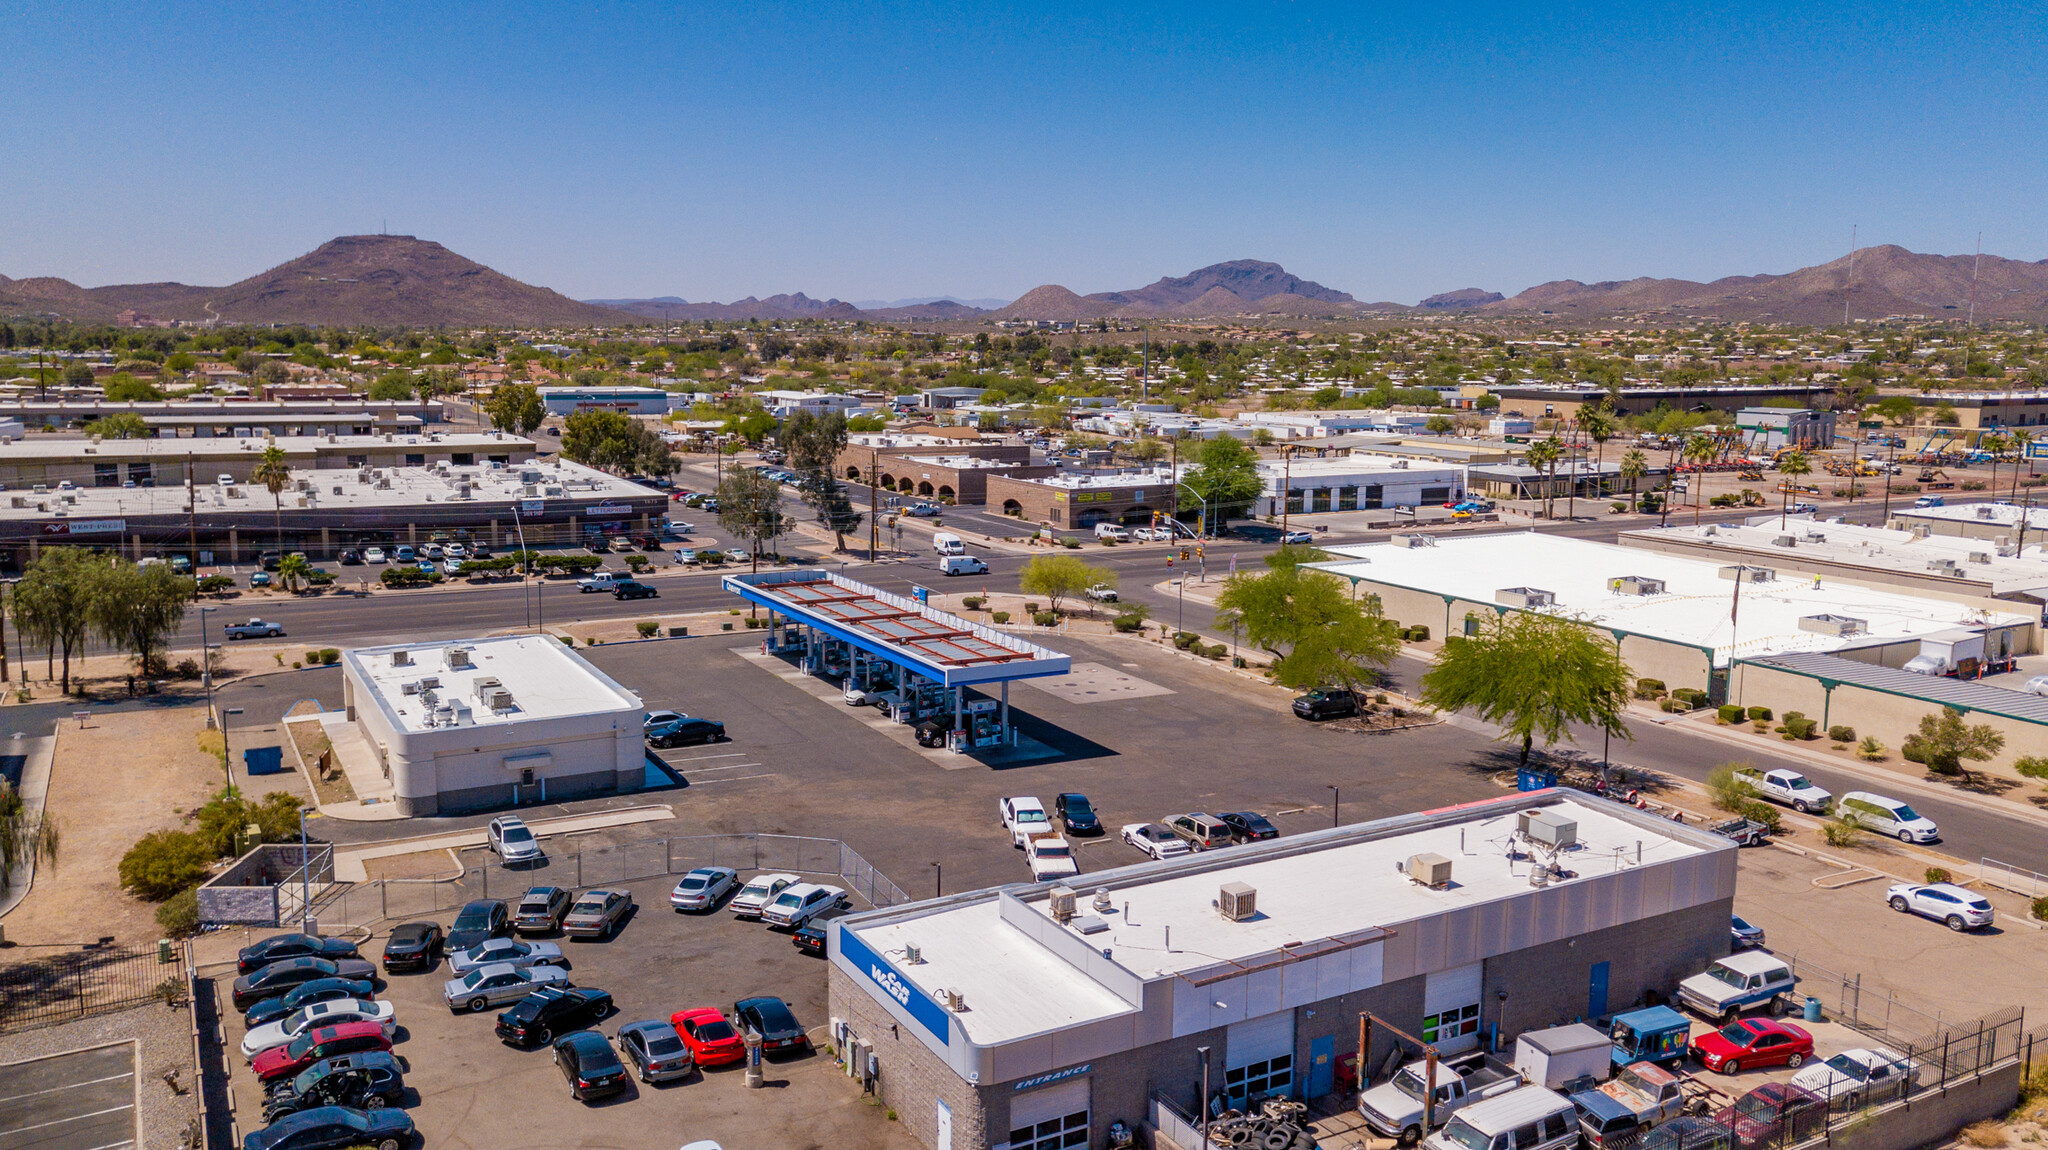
<point>348,864</point>
<point>35,756</point>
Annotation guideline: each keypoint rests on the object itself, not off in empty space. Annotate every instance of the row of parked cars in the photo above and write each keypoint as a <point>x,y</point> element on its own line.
<point>777,899</point>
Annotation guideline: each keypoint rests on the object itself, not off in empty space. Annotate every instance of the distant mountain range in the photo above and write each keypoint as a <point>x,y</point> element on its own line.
<point>398,281</point>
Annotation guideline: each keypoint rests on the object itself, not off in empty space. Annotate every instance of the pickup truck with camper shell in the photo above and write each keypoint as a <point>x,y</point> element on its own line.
<point>1738,982</point>
<point>1790,788</point>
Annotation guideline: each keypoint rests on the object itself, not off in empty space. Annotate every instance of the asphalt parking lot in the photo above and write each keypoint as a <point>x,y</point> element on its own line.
<point>473,1091</point>
<point>80,1100</point>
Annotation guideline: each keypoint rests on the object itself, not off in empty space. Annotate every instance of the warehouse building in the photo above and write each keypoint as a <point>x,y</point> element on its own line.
<point>2003,524</point>
<point>1770,429</point>
<point>1355,483</point>
<point>1032,1017</point>
<point>1132,498</point>
<point>1563,401</point>
<point>626,400</point>
<point>326,414</point>
<point>53,462</point>
<point>492,722</point>
<point>1680,620</point>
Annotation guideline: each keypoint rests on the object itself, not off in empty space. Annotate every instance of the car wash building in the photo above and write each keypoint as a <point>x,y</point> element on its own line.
<point>1033,1016</point>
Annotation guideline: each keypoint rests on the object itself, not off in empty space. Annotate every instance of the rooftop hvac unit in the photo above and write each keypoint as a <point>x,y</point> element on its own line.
<point>458,658</point>
<point>485,683</point>
<point>1547,827</point>
<point>496,699</point>
<point>1430,869</point>
<point>955,1001</point>
<point>1980,556</point>
<point>1837,625</point>
<point>1784,541</point>
<point>1237,901</point>
<point>1986,511</point>
<point>1743,573</point>
<point>1942,566</point>
<point>913,954</point>
<point>1061,903</point>
<point>401,658</point>
<point>1636,585</point>
<point>1524,597</point>
<point>1413,541</point>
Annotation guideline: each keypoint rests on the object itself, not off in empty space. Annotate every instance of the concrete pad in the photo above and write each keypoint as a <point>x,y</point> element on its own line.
<point>1095,683</point>
<point>348,864</point>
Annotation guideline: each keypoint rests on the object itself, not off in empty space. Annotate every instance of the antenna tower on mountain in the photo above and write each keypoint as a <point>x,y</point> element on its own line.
<point>1849,284</point>
<point>1978,259</point>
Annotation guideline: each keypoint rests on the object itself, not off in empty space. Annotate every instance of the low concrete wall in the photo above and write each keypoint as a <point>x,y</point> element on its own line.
<point>246,894</point>
<point>1932,1115</point>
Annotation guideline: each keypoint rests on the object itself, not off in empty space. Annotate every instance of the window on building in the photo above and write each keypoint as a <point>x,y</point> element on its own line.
<point>1435,495</point>
<point>106,475</point>
<point>358,461</point>
<point>463,458</point>
<point>1260,1079</point>
<point>1294,502</point>
<point>141,473</point>
<point>1375,496</point>
<point>415,459</point>
<point>1053,1133</point>
<point>1347,498</point>
<point>1454,1023</point>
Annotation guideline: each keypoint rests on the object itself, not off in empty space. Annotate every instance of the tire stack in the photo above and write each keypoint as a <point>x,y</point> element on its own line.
<point>1280,1125</point>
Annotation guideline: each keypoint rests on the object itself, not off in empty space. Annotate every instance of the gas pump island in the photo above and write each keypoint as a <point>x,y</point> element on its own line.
<point>913,661</point>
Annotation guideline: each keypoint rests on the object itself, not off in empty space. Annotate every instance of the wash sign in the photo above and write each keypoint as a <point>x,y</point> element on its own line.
<point>928,1013</point>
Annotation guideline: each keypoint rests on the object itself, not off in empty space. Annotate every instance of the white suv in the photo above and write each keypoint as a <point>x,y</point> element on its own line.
<point>796,904</point>
<point>512,840</point>
<point>1943,902</point>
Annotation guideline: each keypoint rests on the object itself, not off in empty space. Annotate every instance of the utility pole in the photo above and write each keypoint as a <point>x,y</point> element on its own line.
<point>1286,490</point>
<point>192,510</point>
<point>874,531</point>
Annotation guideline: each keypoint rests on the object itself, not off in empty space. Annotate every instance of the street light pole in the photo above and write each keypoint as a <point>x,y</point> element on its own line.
<point>938,880</point>
<point>225,759</point>
<point>1204,1101</point>
<point>1336,801</point>
<point>205,667</point>
<point>305,876</point>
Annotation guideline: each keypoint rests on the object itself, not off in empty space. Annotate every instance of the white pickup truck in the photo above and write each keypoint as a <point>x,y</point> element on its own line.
<point>1024,816</point>
<point>1050,857</point>
<point>1789,787</point>
<point>1732,984</point>
<point>1394,1108</point>
<point>602,581</point>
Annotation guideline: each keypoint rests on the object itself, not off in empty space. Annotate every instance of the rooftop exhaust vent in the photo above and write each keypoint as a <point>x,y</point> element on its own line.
<point>1635,585</point>
<point>1743,573</point>
<point>1524,597</point>
<point>1836,625</point>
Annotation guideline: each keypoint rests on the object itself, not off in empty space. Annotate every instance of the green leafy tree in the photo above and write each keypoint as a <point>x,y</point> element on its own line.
<point>1223,482</point>
<point>119,425</point>
<point>392,386</point>
<point>813,443</point>
<point>274,472</point>
<point>141,608</point>
<point>163,863</point>
<point>1319,634</point>
<point>1532,674</point>
<point>77,374</point>
<point>753,426</point>
<point>125,388</point>
<point>610,441</point>
<point>1897,410</point>
<point>516,408</point>
<point>750,508</point>
<point>1946,740</point>
<point>1059,577</point>
<point>24,835</point>
<point>53,602</point>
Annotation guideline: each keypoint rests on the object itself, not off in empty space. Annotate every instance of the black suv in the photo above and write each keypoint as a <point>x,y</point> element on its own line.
<point>413,946</point>
<point>628,589</point>
<point>365,1080</point>
<point>553,1010</point>
<point>1076,815</point>
<point>1328,703</point>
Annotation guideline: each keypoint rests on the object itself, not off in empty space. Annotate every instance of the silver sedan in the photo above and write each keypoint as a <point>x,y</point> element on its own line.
<point>655,1051</point>
<point>494,985</point>
<point>505,952</point>
<point>702,888</point>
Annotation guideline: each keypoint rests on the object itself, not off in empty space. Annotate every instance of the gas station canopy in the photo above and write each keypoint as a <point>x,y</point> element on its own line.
<point>935,645</point>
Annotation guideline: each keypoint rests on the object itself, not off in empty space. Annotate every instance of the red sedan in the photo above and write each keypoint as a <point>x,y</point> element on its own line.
<point>315,1045</point>
<point>711,1039</point>
<point>1752,1042</point>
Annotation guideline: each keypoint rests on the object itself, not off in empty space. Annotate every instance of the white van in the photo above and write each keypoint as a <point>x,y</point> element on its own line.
<point>948,544</point>
<point>1112,531</point>
<point>1887,816</point>
<point>962,565</point>
<point>1531,1118</point>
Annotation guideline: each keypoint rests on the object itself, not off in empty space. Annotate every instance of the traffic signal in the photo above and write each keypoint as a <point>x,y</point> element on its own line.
<point>1198,552</point>
<point>1186,554</point>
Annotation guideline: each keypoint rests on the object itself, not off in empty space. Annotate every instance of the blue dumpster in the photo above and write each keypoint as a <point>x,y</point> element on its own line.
<point>1534,778</point>
<point>264,760</point>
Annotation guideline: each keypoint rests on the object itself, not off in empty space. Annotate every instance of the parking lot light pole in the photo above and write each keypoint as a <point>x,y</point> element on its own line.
<point>938,880</point>
<point>305,874</point>
<point>226,762</point>
<point>1202,1104</point>
<point>1336,798</point>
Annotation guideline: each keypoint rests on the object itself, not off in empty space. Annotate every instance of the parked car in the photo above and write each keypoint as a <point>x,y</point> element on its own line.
<point>2038,685</point>
<point>653,719</point>
<point>495,985</point>
<point>771,1018</point>
<point>373,555</point>
<point>403,553</point>
<point>368,1081</point>
<point>552,1010</point>
<point>795,905</point>
<point>279,947</point>
<point>1733,984</point>
<point>924,510</point>
<point>315,1045</point>
<point>633,589</point>
<point>590,1065</point>
<point>1328,703</point>
<point>1688,1132</point>
<point>333,1012</point>
<point>737,555</point>
<point>478,920</point>
<point>541,909</point>
<point>933,732</point>
<point>1249,826</point>
<point>1883,815</point>
<point>350,558</point>
<point>810,937</point>
<point>1774,1114</point>
<point>270,560</point>
<point>455,551</point>
<point>1857,1077</point>
<point>683,556</point>
<point>711,1039</point>
<point>329,1127</point>
<point>1293,538</point>
<point>513,840</point>
<point>1944,902</point>
<point>758,893</point>
<point>279,977</point>
<point>1155,840</point>
<point>1789,787</point>
<point>597,914</point>
<point>1076,815</point>
<point>504,952</point>
<point>1748,1043</point>
<point>684,731</point>
<point>1202,831</point>
<point>702,888</point>
<point>1023,816</point>
<point>256,628</point>
<point>451,566</point>
<point>306,994</point>
<point>1744,935</point>
<point>655,1051</point>
<point>413,946</point>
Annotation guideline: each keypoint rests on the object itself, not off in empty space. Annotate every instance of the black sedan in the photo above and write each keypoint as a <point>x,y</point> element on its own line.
<point>279,947</point>
<point>687,731</point>
<point>325,1127</point>
<point>810,937</point>
<point>306,994</point>
<point>477,921</point>
<point>771,1019</point>
<point>552,1010</point>
<point>413,946</point>
<point>1328,703</point>
<point>1076,815</point>
<point>279,977</point>
<point>367,1080</point>
<point>1249,826</point>
<point>590,1064</point>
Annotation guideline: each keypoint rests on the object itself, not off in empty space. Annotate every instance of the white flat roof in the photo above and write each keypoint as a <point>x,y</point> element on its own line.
<point>546,679</point>
<point>44,447</point>
<point>1356,464</point>
<point>1076,482</point>
<point>1874,548</point>
<point>1694,608</point>
<point>963,462</point>
<point>1015,986</point>
<point>2005,514</point>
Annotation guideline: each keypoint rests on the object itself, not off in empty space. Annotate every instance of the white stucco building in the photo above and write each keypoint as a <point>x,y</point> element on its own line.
<point>493,722</point>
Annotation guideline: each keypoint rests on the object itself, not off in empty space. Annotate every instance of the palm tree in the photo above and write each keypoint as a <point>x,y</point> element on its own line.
<point>1598,424</point>
<point>2020,440</point>
<point>1993,445</point>
<point>1791,467</point>
<point>1634,466</point>
<point>276,474</point>
<point>1543,456</point>
<point>1699,450</point>
<point>293,569</point>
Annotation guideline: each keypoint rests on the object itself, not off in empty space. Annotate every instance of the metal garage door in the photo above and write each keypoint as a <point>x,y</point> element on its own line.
<point>1050,1118</point>
<point>1450,1008</point>
<point>1258,1058</point>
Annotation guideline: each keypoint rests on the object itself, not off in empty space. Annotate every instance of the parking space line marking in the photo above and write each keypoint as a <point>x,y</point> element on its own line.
<point>1292,811</point>
<point>73,1118</point>
<point>736,779</point>
<point>707,758</point>
<point>66,1086</point>
<point>726,767</point>
<point>111,1145</point>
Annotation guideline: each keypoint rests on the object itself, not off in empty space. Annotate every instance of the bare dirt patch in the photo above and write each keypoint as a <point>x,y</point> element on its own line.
<point>418,864</point>
<point>311,741</point>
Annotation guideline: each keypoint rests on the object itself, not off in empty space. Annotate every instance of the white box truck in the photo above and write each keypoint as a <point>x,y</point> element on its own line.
<point>1563,1055</point>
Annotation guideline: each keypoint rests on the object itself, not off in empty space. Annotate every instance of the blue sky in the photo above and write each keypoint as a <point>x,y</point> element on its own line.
<point>879,150</point>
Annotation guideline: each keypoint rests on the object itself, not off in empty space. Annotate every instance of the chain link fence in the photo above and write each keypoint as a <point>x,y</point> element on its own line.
<point>362,906</point>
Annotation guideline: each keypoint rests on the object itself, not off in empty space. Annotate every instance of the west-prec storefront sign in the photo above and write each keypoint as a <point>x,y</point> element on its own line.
<point>928,1013</point>
<point>85,527</point>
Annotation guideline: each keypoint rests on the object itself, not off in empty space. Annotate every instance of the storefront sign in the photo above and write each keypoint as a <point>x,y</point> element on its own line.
<point>85,526</point>
<point>1055,1076</point>
<point>929,1014</point>
<point>610,509</point>
<point>532,506</point>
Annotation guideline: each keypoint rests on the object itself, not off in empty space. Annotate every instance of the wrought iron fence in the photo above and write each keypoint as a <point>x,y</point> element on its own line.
<point>361,906</point>
<point>80,983</point>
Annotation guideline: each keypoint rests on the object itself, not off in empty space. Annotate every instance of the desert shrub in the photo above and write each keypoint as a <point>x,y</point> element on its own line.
<point>1759,714</point>
<point>1031,608</point>
<point>1974,485</point>
<point>1731,713</point>
<point>570,640</point>
<point>1842,733</point>
<point>2032,766</point>
<point>1938,874</point>
<point>1912,750</point>
<point>1238,662</point>
<point>215,584</point>
<point>1800,728</point>
<point>1215,651</point>
<point>2041,909</point>
<point>1185,639</point>
<point>1693,695</point>
<point>162,863</point>
<point>1870,750</point>
<point>186,669</point>
<point>1046,618</point>
<point>1729,791</point>
<point>1842,831</point>
<point>1675,706</point>
<point>313,657</point>
<point>1070,544</point>
<point>1419,633</point>
<point>1127,623</point>
<point>1791,715</point>
<point>1002,617</point>
<point>1762,813</point>
<point>972,602</point>
<point>647,628</point>
<point>755,623</point>
<point>178,917</point>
